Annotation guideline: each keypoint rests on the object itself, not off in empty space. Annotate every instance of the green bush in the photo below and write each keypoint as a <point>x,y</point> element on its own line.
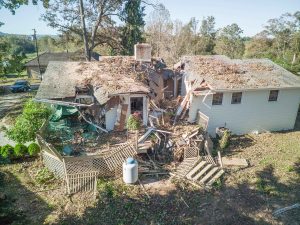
<point>33,149</point>
<point>20,150</point>
<point>133,123</point>
<point>44,176</point>
<point>224,142</point>
<point>7,151</point>
<point>29,122</point>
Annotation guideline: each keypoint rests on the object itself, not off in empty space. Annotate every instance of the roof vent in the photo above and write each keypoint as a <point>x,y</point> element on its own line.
<point>142,52</point>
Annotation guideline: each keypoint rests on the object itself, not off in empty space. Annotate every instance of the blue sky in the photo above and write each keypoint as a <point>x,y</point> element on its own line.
<point>250,15</point>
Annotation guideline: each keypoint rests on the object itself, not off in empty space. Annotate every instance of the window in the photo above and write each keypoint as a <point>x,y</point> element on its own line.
<point>217,99</point>
<point>273,95</point>
<point>236,98</point>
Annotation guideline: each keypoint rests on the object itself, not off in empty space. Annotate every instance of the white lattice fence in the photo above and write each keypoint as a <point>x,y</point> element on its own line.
<point>54,164</point>
<point>81,182</point>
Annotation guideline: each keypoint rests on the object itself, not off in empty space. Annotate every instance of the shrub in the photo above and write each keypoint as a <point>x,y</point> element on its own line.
<point>224,142</point>
<point>133,123</point>
<point>33,149</point>
<point>44,176</point>
<point>29,122</point>
<point>20,150</point>
<point>7,151</point>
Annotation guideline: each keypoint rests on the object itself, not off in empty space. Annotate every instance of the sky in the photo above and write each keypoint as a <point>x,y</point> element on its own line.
<point>250,15</point>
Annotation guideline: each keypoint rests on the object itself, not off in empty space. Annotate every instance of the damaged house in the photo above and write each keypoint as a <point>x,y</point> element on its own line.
<point>108,91</point>
<point>245,96</point>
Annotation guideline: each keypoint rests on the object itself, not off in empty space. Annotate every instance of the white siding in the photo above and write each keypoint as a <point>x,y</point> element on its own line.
<point>255,113</point>
<point>111,115</point>
<point>111,118</point>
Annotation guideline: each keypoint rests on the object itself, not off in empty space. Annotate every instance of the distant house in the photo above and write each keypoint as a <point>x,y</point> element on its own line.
<point>32,66</point>
<point>251,95</point>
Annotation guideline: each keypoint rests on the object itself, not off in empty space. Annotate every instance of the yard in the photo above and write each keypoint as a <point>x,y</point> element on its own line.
<point>245,196</point>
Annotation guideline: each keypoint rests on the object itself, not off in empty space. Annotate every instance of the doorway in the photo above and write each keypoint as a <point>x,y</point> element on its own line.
<point>137,106</point>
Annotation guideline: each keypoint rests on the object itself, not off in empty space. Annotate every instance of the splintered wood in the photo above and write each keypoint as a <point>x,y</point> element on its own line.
<point>188,142</point>
<point>121,117</point>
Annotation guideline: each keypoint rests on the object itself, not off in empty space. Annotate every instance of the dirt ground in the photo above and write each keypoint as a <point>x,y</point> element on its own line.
<point>245,195</point>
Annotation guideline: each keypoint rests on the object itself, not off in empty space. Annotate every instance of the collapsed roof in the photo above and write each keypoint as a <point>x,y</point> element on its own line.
<point>108,77</point>
<point>221,73</point>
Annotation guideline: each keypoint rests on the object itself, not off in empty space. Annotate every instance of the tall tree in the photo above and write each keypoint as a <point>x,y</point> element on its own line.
<point>92,20</point>
<point>229,41</point>
<point>131,33</point>
<point>206,41</point>
<point>159,30</point>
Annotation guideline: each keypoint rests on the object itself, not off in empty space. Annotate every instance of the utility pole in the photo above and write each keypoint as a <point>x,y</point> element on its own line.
<point>37,52</point>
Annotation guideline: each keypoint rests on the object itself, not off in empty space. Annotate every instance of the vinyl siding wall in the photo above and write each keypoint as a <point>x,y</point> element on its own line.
<point>255,113</point>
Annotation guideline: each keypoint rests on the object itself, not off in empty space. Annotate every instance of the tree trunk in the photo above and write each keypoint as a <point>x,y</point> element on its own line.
<point>294,59</point>
<point>85,38</point>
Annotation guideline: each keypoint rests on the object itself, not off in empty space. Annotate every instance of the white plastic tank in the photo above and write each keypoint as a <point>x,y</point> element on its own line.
<point>130,171</point>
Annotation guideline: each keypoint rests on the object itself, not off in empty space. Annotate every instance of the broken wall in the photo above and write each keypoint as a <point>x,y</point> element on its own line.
<point>111,116</point>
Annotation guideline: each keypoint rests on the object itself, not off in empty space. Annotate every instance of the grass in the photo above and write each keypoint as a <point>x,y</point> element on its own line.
<point>243,196</point>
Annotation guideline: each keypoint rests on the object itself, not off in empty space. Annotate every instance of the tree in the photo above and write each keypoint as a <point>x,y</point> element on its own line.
<point>16,64</point>
<point>159,30</point>
<point>229,41</point>
<point>4,55</point>
<point>29,122</point>
<point>259,46</point>
<point>92,20</point>
<point>131,32</point>
<point>206,41</point>
<point>285,34</point>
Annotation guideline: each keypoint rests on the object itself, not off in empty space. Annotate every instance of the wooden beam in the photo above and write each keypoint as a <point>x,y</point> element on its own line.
<point>64,103</point>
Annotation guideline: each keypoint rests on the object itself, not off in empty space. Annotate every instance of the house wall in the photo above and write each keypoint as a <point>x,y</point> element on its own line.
<point>111,115</point>
<point>33,71</point>
<point>255,113</point>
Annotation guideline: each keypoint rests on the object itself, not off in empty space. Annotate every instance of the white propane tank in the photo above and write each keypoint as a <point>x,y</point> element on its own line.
<point>130,171</point>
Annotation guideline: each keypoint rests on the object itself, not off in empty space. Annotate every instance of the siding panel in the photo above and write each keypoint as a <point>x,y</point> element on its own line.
<point>255,113</point>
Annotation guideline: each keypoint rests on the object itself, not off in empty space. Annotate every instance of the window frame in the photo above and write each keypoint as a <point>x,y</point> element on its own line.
<point>236,97</point>
<point>271,96</point>
<point>217,102</point>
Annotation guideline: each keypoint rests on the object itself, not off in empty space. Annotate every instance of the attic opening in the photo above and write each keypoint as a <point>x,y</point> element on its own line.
<point>137,105</point>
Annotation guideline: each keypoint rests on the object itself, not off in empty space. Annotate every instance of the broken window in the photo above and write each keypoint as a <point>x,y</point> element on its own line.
<point>236,98</point>
<point>84,99</point>
<point>136,105</point>
<point>217,98</point>
<point>273,95</point>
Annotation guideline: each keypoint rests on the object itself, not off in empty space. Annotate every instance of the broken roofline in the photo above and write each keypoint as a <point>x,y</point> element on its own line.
<point>223,73</point>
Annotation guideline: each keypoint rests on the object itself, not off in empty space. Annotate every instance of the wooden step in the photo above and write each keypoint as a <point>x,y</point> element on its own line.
<point>202,172</point>
<point>193,171</point>
<point>215,177</point>
<point>209,175</point>
<point>185,167</point>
